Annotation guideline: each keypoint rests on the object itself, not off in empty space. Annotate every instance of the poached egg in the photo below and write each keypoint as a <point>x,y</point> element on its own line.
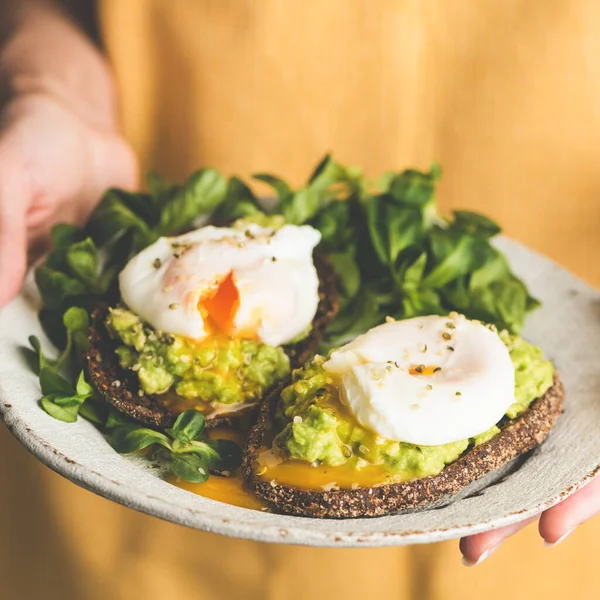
<point>426,381</point>
<point>255,283</point>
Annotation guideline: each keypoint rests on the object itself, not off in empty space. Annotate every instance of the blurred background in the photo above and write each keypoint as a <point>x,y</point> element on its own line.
<point>504,95</point>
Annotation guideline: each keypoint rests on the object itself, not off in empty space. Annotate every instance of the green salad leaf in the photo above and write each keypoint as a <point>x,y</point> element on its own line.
<point>190,453</point>
<point>393,254</point>
<point>60,398</point>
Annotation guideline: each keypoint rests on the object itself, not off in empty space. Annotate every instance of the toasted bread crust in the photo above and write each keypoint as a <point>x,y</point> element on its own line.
<point>517,436</point>
<point>119,387</point>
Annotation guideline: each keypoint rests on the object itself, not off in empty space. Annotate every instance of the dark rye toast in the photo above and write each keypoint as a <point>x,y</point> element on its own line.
<point>119,387</point>
<point>516,437</point>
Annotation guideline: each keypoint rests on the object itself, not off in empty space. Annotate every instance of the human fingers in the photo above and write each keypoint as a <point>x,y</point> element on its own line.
<point>476,548</point>
<point>559,521</point>
<point>14,201</point>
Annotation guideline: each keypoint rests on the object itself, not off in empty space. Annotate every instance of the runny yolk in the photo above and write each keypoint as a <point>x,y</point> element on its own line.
<point>220,307</point>
<point>423,369</point>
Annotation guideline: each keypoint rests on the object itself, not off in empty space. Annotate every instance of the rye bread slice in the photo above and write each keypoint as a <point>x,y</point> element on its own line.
<point>516,437</point>
<point>119,387</point>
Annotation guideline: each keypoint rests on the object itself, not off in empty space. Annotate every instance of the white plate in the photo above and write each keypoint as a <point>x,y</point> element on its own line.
<point>567,327</point>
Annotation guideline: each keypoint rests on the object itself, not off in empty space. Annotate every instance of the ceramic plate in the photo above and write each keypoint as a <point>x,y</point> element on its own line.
<point>567,327</point>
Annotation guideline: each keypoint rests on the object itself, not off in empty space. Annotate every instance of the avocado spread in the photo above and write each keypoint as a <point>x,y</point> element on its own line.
<point>317,428</point>
<point>216,369</point>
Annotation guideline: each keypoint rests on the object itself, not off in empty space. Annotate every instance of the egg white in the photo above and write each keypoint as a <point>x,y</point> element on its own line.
<point>469,392</point>
<point>273,273</point>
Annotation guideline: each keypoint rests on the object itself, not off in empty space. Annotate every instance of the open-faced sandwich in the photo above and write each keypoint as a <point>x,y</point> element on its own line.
<point>211,320</point>
<point>404,416</point>
<point>172,335</point>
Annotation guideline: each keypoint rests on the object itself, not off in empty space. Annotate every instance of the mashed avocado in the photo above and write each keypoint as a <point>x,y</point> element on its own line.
<point>262,220</point>
<point>317,428</point>
<point>219,369</point>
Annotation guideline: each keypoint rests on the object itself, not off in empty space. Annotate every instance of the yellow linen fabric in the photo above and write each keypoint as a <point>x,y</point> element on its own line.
<point>505,95</point>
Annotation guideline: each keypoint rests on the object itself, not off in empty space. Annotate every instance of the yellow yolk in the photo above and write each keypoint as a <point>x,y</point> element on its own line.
<point>220,307</point>
<point>423,369</point>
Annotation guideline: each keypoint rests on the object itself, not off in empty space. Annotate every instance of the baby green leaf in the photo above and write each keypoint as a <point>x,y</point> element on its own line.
<point>53,383</point>
<point>302,206</point>
<point>188,426</point>
<point>494,269</point>
<point>115,216</point>
<point>414,272</point>
<point>339,223</point>
<point>511,302</point>
<point>282,189</point>
<point>131,438</point>
<point>160,189</point>
<point>392,228</point>
<point>76,318</point>
<point>201,194</point>
<point>76,321</point>
<point>413,187</point>
<point>82,259</point>
<point>68,414</point>
<point>75,400</point>
<point>347,270</point>
<point>327,173</point>
<point>83,388</point>
<point>222,455</point>
<point>43,362</point>
<point>116,418</point>
<point>359,315</point>
<point>55,286</point>
<point>459,262</point>
<point>63,236</point>
<point>475,224</point>
<point>93,410</point>
<point>240,202</point>
<point>190,467</point>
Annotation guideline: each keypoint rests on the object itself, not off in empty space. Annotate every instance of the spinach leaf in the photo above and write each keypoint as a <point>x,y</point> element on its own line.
<point>347,270</point>
<point>82,259</point>
<point>392,228</point>
<point>126,439</point>
<point>76,321</point>
<point>414,188</point>
<point>190,459</point>
<point>190,467</point>
<point>201,193</point>
<point>222,455</point>
<point>42,360</point>
<point>188,426</point>
<point>475,224</point>
<point>94,409</point>
<point>116,418</point>
<point>462,259</point>
<point>55,286</point>
<point>67,414</point>
<point>239,202</point>
<point>160,189</point>
<point>53,383</point>
<point>116,216</point>
<point>280,187</point>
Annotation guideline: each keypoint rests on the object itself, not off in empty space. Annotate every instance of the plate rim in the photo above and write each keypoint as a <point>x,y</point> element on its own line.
<point>131,497</point>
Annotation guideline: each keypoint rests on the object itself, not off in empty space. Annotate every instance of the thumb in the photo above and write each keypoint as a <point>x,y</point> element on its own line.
<point>14,200</point>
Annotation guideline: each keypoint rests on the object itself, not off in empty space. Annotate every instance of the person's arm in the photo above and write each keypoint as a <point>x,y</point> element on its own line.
<point>60,145</point>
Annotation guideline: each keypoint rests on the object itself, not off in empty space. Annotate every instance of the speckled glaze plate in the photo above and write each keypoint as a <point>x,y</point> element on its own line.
<point>567,327</point>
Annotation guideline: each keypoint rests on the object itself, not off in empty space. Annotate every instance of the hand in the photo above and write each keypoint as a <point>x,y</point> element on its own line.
<point>53,167</point>
<point>555,524</point>
<point>60,146</point>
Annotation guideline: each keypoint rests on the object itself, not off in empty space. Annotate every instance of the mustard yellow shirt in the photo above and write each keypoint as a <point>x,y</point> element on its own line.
<point>505,95</point>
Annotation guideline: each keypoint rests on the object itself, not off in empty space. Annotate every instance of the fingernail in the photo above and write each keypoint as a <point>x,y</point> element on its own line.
<point>562,538</point>
<point>473,563</point>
